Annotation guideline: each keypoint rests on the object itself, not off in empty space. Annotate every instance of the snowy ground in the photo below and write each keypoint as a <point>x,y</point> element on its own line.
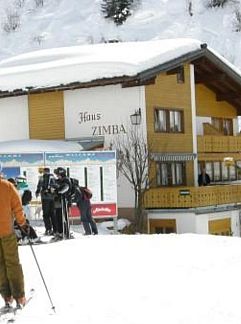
<point>135,279</point>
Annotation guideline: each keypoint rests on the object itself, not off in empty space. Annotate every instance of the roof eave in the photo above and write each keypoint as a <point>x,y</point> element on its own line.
<point>135,79</point>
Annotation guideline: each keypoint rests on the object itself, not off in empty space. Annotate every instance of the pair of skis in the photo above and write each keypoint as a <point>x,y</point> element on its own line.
<point>9,314</point>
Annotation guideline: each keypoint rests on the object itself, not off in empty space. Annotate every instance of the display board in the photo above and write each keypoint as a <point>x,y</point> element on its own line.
<point>94,169</point>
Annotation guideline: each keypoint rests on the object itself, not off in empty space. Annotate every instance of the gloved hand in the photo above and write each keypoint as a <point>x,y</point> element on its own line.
<point>52,190</point>
<point>26,228</point>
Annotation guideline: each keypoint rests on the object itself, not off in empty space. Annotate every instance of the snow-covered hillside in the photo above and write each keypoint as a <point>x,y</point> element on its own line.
<point>74,22</point>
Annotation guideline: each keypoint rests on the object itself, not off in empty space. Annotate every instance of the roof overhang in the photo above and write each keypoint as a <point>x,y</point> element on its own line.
<point>214,72</point>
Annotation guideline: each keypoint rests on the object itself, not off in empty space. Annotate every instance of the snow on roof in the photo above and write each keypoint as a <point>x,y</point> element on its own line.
<point>85,63</point>
<point>31,146</point>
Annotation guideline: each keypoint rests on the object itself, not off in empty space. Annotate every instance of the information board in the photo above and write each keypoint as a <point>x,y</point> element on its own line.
<point>94,169</point>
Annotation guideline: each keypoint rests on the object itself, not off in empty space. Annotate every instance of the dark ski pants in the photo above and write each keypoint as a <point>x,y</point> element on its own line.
<point>88,222</point>
<point>62,219</point>
<point>90,227</point>
<point>11,273</point>
<point>48,214</point>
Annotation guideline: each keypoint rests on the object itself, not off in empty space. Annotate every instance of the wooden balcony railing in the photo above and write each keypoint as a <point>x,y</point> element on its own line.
<point>211,143</point>
<point>188,197</point>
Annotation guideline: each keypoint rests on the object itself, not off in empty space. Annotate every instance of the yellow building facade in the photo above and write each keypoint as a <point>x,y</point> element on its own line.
<point>211,136</point>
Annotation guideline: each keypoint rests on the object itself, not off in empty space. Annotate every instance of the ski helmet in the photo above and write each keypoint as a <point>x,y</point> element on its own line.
<point>60,171</point>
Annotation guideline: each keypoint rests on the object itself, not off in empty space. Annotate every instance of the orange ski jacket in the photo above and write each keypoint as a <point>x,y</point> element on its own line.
<point>10,208</point>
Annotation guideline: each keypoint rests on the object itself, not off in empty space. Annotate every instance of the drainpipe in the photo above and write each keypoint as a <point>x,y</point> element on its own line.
<point>194,128</point>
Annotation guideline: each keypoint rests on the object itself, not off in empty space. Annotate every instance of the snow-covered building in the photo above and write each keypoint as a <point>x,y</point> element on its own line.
<point>189,99</point>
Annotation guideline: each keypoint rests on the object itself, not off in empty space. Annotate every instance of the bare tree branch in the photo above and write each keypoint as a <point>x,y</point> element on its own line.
<point>133,162</point>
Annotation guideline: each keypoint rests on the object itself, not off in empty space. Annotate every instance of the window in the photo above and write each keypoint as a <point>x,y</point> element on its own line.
<point>169,121</point>
<point>224,171</point>
<point>170,174</point>
<point>232,173</point>
<point>162,226</point>
<point>180,75</point>
<point>209,169</point>
<point>161,120</point>
<point>238,168</point>
<point>223,125</point>
<point>218,171</point>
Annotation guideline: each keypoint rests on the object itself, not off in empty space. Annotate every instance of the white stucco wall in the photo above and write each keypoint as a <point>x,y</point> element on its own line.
<point>185,222</point>
<point>101,110</point>
<point>104,111</point>
<point>14,123</point>
<point>199,124</point>
<point>189,222</point>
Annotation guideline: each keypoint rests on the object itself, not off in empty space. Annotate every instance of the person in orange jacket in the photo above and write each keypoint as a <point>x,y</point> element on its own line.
<point>11,273</point>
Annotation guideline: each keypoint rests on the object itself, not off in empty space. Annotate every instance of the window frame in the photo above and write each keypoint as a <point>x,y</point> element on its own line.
<point>220,124</point>
<point>167,122</point>
<point>169,176</point>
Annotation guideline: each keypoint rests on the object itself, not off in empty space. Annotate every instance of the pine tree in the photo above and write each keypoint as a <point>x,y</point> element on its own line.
<point>117,10</point>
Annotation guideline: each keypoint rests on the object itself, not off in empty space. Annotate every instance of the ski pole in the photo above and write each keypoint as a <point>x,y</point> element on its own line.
<point>67,218</point>
<point>50,299</point>
<point>63,218</point>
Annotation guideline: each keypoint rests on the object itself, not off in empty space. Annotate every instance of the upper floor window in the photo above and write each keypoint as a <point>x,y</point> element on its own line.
<point>223,125</point>
<point>170,174</point>
<point>168,120</point>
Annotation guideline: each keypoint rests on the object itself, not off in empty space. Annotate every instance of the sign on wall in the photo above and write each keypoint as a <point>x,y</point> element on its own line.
<point>25,164</point>
<point>96,170</point>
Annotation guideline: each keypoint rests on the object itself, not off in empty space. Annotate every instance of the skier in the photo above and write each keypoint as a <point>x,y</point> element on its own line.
<point>82,197</point>
<point>47,200</point>
<point>20,233</point>
<point>62,200</point>
<point>11,273</point>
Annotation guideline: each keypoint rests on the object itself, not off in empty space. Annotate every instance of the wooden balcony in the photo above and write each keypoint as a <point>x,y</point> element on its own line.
<point>212,143</point>
<point>191,197</point>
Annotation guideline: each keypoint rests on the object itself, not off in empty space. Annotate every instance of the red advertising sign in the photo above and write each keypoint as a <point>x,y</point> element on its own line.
<point>98,210</point>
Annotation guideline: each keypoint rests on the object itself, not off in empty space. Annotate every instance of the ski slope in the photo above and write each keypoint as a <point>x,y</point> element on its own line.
<point>135,279</point>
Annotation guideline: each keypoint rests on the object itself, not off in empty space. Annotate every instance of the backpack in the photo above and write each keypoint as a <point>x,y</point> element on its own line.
<point>74,186</point>
<point>86,193</point>
<point>26,197</point>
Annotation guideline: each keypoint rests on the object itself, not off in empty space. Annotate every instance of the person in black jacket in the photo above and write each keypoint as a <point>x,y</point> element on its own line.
<point>203,178</point>
<point>47,200</point>
<point>84,205</point>
<point>62,201</point>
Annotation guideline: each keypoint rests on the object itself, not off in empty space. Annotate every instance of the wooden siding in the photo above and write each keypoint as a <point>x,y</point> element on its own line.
<point>167,93</point>
<point>209,129</point>
<point>206,104</point>
<point>188,197</point>
<point>220,226</point>
<point>46,116</point>
<point>218,144</point>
